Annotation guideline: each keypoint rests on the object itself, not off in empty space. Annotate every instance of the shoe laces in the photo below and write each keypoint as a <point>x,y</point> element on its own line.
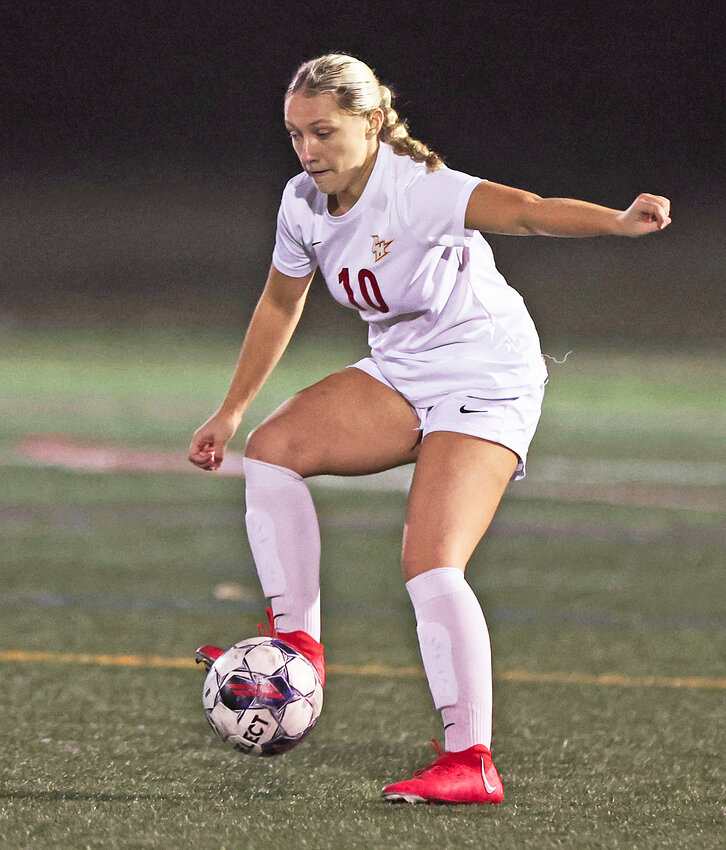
<point>436,763</point>
<point>269,630</point>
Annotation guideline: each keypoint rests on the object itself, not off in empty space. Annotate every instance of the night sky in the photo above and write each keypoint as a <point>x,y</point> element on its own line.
<point>600,101</point>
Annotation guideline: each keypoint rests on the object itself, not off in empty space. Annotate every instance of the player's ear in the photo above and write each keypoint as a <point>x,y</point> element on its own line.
<point>375,122</point>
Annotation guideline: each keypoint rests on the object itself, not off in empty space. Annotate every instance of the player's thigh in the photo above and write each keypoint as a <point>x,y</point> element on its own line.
<point>457,485</point>
<point>347,424</point>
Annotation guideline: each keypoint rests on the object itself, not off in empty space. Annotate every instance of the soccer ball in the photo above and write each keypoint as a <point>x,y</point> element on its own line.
<point>262,696</point>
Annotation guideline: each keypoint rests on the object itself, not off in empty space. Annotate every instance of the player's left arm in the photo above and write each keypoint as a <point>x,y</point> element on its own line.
<point>495,208</point>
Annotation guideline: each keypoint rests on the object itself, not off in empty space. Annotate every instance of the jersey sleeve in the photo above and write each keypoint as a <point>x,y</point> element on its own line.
<point>291,256</point>
<point>435,204</point>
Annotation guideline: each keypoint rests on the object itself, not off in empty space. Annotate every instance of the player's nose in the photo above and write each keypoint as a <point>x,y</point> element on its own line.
<point>308,151</point>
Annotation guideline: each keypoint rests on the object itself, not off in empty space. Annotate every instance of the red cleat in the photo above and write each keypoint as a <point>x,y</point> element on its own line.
<point>300,641</point>
<point>307,646</point>
<point>207,655</point>
<point>468,776</point>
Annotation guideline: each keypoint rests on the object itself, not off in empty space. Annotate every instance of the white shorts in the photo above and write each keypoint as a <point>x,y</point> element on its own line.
<point>511,422</point>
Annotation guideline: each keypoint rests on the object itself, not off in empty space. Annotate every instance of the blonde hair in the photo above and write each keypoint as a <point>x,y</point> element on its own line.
<point>358,92</point>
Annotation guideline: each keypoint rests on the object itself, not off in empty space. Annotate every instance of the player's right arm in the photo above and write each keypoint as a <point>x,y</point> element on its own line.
<point>271,327</point>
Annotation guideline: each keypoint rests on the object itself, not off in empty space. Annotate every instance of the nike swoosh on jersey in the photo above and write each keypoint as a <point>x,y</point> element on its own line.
<point>490,789</point>
<point>464,409</point>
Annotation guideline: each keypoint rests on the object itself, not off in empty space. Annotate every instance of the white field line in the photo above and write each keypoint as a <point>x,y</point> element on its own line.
<point>627,470</point>
<point>560,470</point>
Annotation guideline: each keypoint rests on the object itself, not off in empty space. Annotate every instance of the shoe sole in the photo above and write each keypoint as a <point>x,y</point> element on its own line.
<point>398,797</point>
<point>404,798</point>
<point>205,658</point>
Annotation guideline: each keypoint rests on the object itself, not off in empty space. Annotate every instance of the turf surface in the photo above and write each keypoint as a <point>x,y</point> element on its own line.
<point>107,755</point>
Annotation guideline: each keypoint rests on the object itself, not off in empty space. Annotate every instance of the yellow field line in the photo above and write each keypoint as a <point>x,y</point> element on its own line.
<point>542,678</point>
<point>522,676</point>
<point>99,660</point>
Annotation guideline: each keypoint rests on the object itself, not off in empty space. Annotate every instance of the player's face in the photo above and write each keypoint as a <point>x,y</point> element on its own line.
<point>334,147</point>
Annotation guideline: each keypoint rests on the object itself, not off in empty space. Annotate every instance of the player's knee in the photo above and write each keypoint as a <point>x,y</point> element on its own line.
<point>418,558</point>
<point>413,563</point>
<point>267,444</point>
<point>271,444</point>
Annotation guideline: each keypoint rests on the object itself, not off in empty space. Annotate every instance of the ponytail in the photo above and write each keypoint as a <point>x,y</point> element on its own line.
<point>395,132</point>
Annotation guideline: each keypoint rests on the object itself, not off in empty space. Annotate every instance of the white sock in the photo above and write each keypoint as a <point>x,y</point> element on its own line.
<point>456,653</point>
<point>282,528</point>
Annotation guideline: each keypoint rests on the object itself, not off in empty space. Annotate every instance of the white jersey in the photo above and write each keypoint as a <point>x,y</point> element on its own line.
<point>441,317</point>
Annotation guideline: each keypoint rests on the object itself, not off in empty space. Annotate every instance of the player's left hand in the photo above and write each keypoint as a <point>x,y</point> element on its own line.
<point>646,214</point>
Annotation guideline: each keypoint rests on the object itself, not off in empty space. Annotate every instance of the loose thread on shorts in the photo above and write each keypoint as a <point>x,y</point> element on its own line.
<point>555,360</point>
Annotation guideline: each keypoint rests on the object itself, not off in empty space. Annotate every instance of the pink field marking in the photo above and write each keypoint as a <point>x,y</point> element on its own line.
<point>70,454</point>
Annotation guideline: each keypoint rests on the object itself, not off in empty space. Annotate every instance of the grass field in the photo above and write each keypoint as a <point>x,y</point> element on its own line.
<point>602,579</point>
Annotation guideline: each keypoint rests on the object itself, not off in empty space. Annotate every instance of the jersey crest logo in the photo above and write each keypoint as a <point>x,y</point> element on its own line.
<point>380,247</point>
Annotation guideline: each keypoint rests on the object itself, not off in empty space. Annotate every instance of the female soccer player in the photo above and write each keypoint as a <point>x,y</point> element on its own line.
<point>454,382</point>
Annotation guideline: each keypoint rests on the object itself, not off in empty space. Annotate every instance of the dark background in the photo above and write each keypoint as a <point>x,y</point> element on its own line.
<point>145,152</point>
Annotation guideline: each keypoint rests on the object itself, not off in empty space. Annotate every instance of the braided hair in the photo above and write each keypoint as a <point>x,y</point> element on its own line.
<point>358,92</point>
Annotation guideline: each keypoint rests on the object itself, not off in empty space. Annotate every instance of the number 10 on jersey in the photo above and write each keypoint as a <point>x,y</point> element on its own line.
<point>369,290</point>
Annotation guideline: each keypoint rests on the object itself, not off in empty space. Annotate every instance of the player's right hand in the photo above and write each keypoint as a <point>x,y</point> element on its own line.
<point>647,214</point>
<point>210,441</point>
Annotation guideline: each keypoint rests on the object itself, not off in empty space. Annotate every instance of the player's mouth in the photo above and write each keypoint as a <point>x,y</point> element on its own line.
<point>318,173</point>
